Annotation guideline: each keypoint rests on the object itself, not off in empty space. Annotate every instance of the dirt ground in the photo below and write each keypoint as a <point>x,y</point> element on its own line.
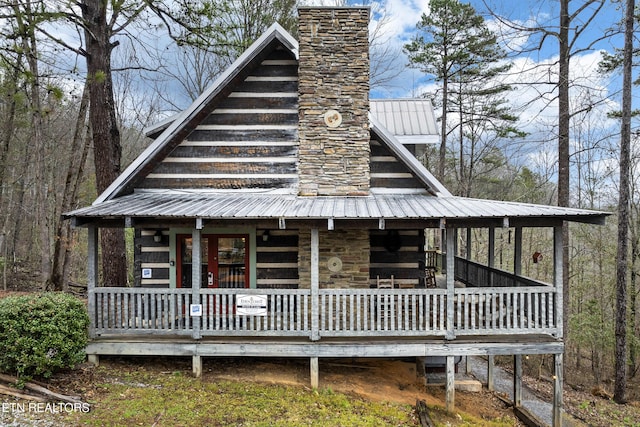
<point>371,379</point>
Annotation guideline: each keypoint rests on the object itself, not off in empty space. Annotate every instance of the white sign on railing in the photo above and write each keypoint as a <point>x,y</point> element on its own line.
<point>251,305</point>
<point>195,310</point>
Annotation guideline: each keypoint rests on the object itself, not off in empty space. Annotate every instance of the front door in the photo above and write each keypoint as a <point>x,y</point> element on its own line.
<point>225,261</point>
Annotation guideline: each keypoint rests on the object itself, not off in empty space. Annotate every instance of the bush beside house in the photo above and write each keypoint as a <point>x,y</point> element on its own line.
<point>41,333</point>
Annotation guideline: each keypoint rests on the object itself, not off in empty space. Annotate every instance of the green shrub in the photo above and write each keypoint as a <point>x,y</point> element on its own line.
<point>41,333</point>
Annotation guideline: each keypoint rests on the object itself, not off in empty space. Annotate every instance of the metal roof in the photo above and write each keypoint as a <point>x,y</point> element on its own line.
<point>236,206</point>
<point>411,120</point>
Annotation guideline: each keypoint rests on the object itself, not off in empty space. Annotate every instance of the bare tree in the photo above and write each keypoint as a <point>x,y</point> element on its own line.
<point>619,392</point>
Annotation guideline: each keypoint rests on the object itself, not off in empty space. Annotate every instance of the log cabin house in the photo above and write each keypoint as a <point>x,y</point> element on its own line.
<point>276,216</point>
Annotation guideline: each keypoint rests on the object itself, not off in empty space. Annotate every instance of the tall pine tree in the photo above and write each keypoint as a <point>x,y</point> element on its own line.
<point>455,47</point>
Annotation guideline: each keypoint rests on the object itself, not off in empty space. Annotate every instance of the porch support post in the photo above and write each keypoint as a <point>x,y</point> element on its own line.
<point>491,372</point>
<point>517,253</point>
<point>451,237</point>
<point>196,279</point>
<point>92,276</point>
<point>517,380</point>
<point>491,261</point>
<point>196,361</point>
<point>315,372</point>
<point>557,279</point>
<point>315,284</point>
<point>469,235</point>
<point>450,386</point>
<point>557,390</point>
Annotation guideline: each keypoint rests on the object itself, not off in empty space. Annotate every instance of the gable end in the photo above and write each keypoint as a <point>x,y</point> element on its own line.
<point>247,139</point>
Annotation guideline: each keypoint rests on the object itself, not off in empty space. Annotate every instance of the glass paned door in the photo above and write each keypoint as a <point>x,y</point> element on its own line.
<point>230,262</point>
<point>225,261</point>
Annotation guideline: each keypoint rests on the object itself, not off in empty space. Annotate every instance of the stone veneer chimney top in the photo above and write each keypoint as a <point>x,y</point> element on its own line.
<point>333,85</point>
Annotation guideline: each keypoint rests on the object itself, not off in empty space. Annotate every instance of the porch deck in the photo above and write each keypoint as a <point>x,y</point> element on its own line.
<point>145,345</point>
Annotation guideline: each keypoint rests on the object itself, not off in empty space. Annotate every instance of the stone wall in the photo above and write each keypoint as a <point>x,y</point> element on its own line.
<point>333,109</point>
<point>351,247</point>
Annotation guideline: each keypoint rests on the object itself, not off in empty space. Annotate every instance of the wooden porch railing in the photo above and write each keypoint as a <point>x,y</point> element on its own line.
<point>473,273</point>
<point>334,313</point>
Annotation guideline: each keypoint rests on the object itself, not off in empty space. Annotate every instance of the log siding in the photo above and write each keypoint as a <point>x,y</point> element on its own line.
<point>249,141</point>
<point>151,255</point>
<point>387,171</point>
<point>402,263</point>
<point>277,259</point>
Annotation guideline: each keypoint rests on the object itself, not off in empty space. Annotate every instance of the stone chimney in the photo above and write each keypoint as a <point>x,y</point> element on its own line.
<point>333,126</point>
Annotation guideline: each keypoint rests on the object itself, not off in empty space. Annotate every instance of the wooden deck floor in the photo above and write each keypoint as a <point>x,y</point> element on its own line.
<point>335,347</point>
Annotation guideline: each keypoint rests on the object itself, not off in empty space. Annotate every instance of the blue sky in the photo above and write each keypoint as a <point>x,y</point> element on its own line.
<point>538,114</point>
<point>402,16</point>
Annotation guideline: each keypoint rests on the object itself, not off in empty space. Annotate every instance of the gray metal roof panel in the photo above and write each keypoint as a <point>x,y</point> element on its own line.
<point>406,117</point>
<point>263,206</point>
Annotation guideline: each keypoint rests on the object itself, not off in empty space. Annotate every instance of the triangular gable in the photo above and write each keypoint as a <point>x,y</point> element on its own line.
<point>185,122</point>
<point>406,159</point>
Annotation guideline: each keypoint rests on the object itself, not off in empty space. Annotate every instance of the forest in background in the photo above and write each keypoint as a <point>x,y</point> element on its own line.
<point>162,55</point>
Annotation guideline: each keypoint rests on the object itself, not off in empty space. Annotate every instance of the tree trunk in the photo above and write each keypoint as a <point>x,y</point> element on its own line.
<point>563,148</point>
<point>80,144</point>
<point>443,131</point>
<point>619,389</point>
<point>106,136</point>
<point>30,48</point>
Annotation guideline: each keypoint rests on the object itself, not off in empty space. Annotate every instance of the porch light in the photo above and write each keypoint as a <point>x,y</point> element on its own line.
<point>158,236</point>
<point>265,235</point>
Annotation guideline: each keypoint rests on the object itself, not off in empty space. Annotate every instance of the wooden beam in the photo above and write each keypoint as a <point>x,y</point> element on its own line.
<point>517,380</point>
<point>451,386</point>
<point>315,284</point>
<point>491,261</point>
<point>196,277</point>
<point>517,252</point>
<point>314,368</point>
<point>94,359</point>
<point>450,237</point>
<point>491,363</point>
<point>558,260</point>
<point>159,346</point>
<point>557,390</point>
<point>196,361</point>
<point>469,242</point>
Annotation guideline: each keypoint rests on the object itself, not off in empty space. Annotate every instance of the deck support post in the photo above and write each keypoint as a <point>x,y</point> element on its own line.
<point>92,276</point>
<point>314,367</point>
<point>469,243</point>
<point>196,361</point>
<point>450,388</point>
<point>491,372</point>
<point>557,390</point>
<point>557,279</point>
<point>491,261</point>
<point>517,252</point>
<point>94,359</point>
<point>451,237</point>
<point>196,278</point>
<point>517,380</point>
<point>315,285</point>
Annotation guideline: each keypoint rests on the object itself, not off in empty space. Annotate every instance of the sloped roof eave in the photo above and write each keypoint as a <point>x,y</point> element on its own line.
<point>256,206</point>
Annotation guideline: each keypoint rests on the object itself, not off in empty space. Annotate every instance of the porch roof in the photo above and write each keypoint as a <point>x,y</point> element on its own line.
<point>258,206</point>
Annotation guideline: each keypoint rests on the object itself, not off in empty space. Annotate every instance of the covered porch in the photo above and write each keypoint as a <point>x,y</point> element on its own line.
<point>474,309</point>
